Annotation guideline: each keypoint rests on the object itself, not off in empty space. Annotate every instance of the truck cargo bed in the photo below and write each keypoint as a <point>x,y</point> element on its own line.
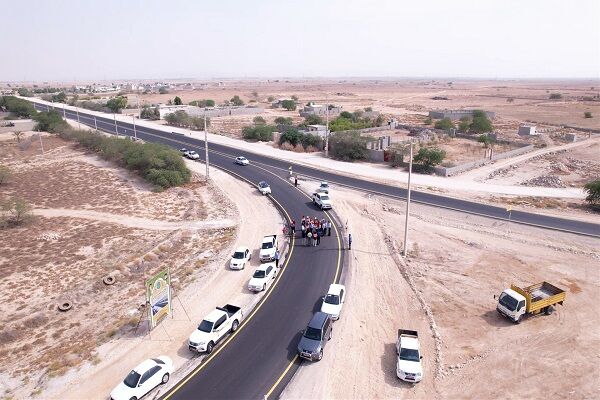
<point>541,295</point>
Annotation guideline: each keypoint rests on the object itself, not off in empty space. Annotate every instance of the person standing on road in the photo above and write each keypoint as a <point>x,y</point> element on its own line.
<point>349,241</point>
<point>277,256</point>
<point>303,230</point>
<point>293,227</point>
<point>319,237</point>
<point>296,181</point>
<point>309,238</point>
<point>329,228</point>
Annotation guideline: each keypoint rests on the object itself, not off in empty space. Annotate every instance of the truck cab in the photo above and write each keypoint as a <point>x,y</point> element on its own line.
<point>408,366</point>
<point>511,304</point>
<point>268,247</point>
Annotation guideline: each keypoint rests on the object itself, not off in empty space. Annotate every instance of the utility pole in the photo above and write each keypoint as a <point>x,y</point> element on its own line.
<point>77,110</point>
<point>95,123</point>
<point>326,126</point>
<point>206,145</point>
<point>116,130</point>
<point>134,131</point>
<point>408,202</point>
<point>64,112</point>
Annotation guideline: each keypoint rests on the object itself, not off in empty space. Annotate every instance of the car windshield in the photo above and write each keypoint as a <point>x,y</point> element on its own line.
<point>192,152</point>
<point>259,274</point>
<point>242,158</point>
<point>158,361</point>
<point>324,197</point>
<point>238,254</point>
<point>332,299</point>
<point>132,379</point>
<point>312,333</point>
<point>267,245</point>
<point>263,184</point>
<point>409,354</point>
<point>508,301</point>
<point>205,326</point>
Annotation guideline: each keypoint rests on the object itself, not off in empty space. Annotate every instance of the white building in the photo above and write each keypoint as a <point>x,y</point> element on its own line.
<point>527,130</point>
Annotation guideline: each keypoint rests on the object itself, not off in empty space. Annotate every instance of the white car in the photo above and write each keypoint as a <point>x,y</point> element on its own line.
<point>240,257</point>
<point>242,161</point>
<point>322,200</point>
<point>264,187</point>
<point>323,188</point>
<point>262,278</point>
<point>334,301</point>
<point>408,366</point>
<point>143,378</point>
<point>192,155</point>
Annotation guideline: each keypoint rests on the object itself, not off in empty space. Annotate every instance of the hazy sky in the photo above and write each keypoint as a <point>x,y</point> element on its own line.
<point>126,39</point>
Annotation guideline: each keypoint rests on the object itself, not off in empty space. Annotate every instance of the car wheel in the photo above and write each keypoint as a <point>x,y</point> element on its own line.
<point>330,332</point>
<point>209,347</point>
<point>133,398</point>
<point>165,378</point>
<point>320,357</point>
<point>235,325</point>
<point>264,287</point>
<point>549,310</point>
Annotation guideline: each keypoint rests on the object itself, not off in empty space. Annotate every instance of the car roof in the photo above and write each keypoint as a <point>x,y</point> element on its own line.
<point>263,267</point>
<point>318,320</point>
<point>268,239</point>
<point>335,289</point>
<point>241,249</point>
<point>214,315</point>
<point>144,366</point>
<point>515,294</point>
<point>240,157</point>
<point>409,342</point>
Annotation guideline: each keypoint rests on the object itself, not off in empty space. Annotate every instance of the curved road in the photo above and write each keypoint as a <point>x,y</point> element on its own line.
<point>260,358</point>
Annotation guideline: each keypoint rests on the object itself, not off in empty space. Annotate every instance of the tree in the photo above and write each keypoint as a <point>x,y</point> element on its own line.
<point>203,103</point>
<point>295,98</point>
<point>464,124</point>
<point>313,119</point>
<point>593,193</point>
<point>292,136</point>
<point>5,174</point>
<point>59,98</point>
<point>555,96</point>
<point>24,92</point>
<point>283,121</point>
<point>177,101</point>
<point>255,94</point>
<point>18,135</point>
<point>481,123</point>
<point>18,107</point>
<point>445,124</point>
<point>116,104</point>
<point>429,157</point>
<point>379,120</point>
<point>428,121</point>
<point>258,120</point>
<point>486,140</point>
<point>15,211</point>
<point>289,105</point>
<point>163,90</point>
<point>346,114</point>
<point>262,133</point>
<point>236,101</point>
<point>150,113</point>
<point>587,114</point>
<point>348,146</point>
<point>50,121</point>
<point>368,109</point>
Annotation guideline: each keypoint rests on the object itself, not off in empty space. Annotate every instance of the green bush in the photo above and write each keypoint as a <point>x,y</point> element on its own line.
<point>203,103</point>
<point>311,140</point>
<point>18,107</point>
<point>236,101</point>
<point>24,92</point>
<point>261,133</point>
<point>486,140</point>
<point>292,136</point>
<point>50,121</point>
<point>555,96</point>
<point>283,121</point>
<point>429,157</point>
<point>593,193</point>
<point>428,121</point>
<point>157,163</point>
<point>445,124</point>
<point>348,146</point>
<point>481,123</point>
<point>258,120</point>
<point>289,105</point>
<point>116,104</point>
<point>313,119</point>
<point>150,113</point>
<point>182,119</point>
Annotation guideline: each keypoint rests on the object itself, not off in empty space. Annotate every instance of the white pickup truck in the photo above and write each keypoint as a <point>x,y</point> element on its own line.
<point>214,327</point>
<point>322,200</point>
<point>408,366</point>
<point>268,247</point>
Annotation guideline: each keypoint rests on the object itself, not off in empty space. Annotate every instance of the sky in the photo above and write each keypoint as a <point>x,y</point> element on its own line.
<point>146,39</point>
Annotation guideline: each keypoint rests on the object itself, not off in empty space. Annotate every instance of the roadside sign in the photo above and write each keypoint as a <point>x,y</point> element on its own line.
<point>158,295</point>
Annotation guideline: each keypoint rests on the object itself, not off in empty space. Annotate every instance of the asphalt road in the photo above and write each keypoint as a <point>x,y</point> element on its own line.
<point>250,363</point>
<point>280,167</point>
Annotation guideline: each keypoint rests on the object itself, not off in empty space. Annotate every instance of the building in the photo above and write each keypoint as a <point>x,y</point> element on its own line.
<point>527,130</point>
<point>320,110</point>
<point>456,114</point>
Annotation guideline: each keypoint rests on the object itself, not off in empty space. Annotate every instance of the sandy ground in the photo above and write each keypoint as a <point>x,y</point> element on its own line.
<point>92,220</point>
<point>445,291</point>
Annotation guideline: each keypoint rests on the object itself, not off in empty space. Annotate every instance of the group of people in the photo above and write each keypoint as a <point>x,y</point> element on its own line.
<point>313,229</point>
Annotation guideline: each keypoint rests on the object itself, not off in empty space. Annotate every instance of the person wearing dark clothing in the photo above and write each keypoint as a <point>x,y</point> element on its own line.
<point>349,241</point>
<point>318,237</point>
<point>296,181</point>
<point>293,227</point>
<point>277,256</point>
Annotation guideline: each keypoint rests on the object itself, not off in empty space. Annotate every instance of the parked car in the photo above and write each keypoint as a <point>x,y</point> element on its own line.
<point>334,301</point>
<point>263,276</point>
<point>183,150</point>
<point>322,200</point>
<point>143,378</point>
<point>214,327</point>
<point>315,336</point>
<point>408,349</point>
<point>264,187</point>
<point>192,155</point>
<point>323,188</point>
<point>268,247</point>
<point>242,161</point>
<point>240,257</point>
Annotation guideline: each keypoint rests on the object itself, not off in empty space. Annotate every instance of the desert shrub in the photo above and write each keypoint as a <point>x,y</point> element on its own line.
<point>182,119</point>
<point>258,120</point>
<point>24,92</point>
<point>150,113</point>
<point>18,107</point>
<point>262,133</point>
<point>92,105</point>
<point>348,146</point>
<point>310,140</point>
<point>177,101</point>
<point>203,103</point>
<point>428,121</point>
<point>283,121</point>
<point>593,194</point>
<point>289,105</point>
<point>445,123</point>
<point>270,99</point>
<point>464,124</point>
<point>163,90</point>
<point>555,96</point>
<point>486,140</point>
<point>286,146</point>
<point>313,119</point>
<point>116,104</point>
<point>368,109</point>
<point>236,101</point>
<point>15,212</point>
<point>587,114</point>
<point>292,136</point>
<point>5,174</point>
<point>429,157</point>
<point>50,121</point>
<point>481,123</point>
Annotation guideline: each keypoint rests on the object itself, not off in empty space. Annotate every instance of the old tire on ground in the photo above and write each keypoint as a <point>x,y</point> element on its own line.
<point>209,347</point>
<point>65,306</point>
<point>165,378</point>
<point>109,280</point>
<point>235,325</point>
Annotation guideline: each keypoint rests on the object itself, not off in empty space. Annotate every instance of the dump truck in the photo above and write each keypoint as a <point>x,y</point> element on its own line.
<point>515,302</point>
